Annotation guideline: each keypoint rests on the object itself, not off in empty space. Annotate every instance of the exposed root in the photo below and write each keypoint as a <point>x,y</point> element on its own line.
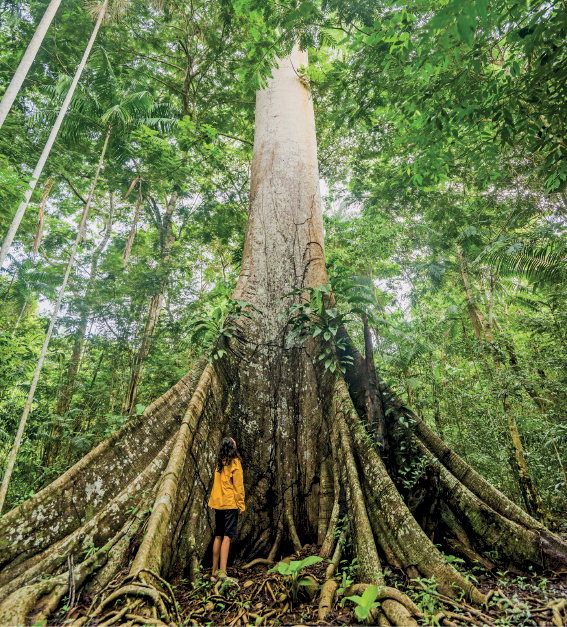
<point>326,500</point>
<point>330,536</point>
<point>127,458</point>
<point>397,614</point>
<point>145,593</point>
<point>385,592</point>
<point>553,550</point>
<point>288,516</point>
<point>16,607</point>
<point>274,550</point>
<point>393,524</point>
<point>150,553</point>
<point>491,530</point>
<point>327,595</point>
<point>370,570</point>
<point>334,563</point>
<point>259,560</point>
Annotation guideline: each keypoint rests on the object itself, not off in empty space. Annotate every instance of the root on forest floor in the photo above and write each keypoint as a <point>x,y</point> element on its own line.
<point>263,597</point>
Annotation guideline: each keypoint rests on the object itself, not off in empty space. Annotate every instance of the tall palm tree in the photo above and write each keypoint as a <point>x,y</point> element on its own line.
<point>50,141</point>
<point>111,105</point>
<point>27,407</point>
<point>28,58</point>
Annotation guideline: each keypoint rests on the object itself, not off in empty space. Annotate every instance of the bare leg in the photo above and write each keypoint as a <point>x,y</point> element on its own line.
<point>216,553</point>
<point>223,554</point>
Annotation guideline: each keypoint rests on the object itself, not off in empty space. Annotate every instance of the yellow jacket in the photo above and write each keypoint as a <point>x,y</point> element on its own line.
<point>228,488</point>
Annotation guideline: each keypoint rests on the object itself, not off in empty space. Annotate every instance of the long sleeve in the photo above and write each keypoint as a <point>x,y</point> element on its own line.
<point>238,483</point>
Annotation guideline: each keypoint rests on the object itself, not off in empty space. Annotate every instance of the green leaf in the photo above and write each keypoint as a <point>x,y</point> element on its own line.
<point>482,8</point>
<point>305,582</point>
<point>465,30</point>
<point>362,612</point>
<point>369,595</point>
<point>309,561</point>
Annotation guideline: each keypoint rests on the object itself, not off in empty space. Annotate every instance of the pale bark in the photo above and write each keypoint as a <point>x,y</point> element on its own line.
<point>50,141</point>
<point>67,390</point>
<point>41,215</point>
<point>27,407</point>
<point>294,423</point>
<point>19,318</point>
<point>27,60</point>
<point>471,301</point>
<point>66,395</point>
<point>481,326</point>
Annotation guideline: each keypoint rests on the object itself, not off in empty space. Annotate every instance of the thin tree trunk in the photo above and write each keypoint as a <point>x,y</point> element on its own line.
<point>376,412</point>
<point>67,392</point>
<point>167,239</point>
<point>531,497</point>
<point>66,396</point>
<point>23,419</point>
<point>7,292</point>
<point>141,356</point>
<point>130,242</point>
<point>28,58</point>
<point>50,141</point>
<point>41,215</point>
<point>471,302</point>
<point>19,318</point>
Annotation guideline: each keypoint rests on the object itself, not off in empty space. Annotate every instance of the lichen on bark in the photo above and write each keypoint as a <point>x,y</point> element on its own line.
<point>140,497</point>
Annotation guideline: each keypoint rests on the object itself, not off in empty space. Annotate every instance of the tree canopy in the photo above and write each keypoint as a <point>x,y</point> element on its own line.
<point>443,164</point>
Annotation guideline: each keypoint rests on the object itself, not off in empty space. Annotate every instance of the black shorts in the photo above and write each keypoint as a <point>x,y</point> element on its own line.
<point>226,521</point>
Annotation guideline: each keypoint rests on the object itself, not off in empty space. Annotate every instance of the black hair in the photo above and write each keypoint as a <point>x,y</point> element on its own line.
<point>227,453</point>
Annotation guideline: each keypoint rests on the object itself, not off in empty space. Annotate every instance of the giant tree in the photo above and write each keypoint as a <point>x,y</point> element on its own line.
<point>297,422</point>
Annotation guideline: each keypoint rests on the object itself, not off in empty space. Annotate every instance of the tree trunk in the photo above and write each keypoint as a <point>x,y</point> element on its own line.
<point>66,396</point>
<point>41,215</point>
<point>130,241</point>
<point>27,407</point>
<point>22,311</point>
<point>25,64</point>
<point>294,422</point>
<point>139,360</point>
<point>530,495</point>
<point>167,239</point>
<point>471,301</point>
<point>50,141</point>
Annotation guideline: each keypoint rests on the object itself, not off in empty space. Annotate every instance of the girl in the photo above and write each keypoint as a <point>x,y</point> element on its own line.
<point>227,499</point>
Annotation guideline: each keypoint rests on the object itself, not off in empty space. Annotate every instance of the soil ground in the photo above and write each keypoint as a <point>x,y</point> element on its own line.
<point>260,597</point>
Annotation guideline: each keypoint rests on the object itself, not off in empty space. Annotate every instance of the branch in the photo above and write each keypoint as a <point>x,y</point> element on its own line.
<point>75,191</point>
<point>245,141</point>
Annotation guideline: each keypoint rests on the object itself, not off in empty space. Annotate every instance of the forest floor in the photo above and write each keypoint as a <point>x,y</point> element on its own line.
<point>263,598</point>
<point>260,597</point>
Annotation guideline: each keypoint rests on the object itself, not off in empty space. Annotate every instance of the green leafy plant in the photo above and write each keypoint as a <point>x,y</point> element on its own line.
<point>313,317</point>
<point>220,323</point>
<point>426,598</point>
<point>292,571</point>
<point>365,603</point>
<point>345,582</point>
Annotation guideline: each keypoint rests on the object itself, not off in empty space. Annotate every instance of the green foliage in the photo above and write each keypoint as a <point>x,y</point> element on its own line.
<point>314,317</point>
<point>291,573</point>
<point>221,323</point>
<point>365,603</point>
<point>441,142</point>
